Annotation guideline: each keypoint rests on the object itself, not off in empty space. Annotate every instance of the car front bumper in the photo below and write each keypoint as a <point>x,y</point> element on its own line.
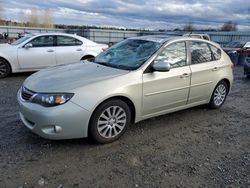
<point>65,121</point>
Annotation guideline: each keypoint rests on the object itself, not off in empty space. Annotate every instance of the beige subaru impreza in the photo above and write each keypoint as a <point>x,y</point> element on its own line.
<point>136,79</point>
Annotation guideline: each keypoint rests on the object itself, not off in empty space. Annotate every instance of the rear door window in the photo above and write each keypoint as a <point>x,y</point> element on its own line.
<point>68,41</point>
<point>200,52</point>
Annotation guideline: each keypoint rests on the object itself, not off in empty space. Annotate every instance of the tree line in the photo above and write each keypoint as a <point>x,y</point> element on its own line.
<point>227,26</point>
<point>34,18</point>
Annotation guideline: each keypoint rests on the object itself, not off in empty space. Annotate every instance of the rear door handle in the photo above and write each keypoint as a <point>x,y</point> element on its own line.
<point>50,50</point>
<point>185,75</point>
<point>215,69</point>
<point>79,49</point>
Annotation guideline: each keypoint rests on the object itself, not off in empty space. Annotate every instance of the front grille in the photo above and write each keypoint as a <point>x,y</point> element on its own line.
<point>26,94</point>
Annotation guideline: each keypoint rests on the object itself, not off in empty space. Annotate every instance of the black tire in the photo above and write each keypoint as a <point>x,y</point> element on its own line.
<point>5,69</point>
<point>213,104</point>
<point>102,109</point>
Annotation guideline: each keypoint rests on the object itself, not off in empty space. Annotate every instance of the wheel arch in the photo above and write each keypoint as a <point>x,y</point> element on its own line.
<point>87,57</point>
<point>227,82</point>
<point>122,98</point>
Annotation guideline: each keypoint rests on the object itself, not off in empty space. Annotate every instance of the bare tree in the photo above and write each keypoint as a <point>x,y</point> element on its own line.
<point>229,26</point>
<point>40,18</point>
<point>47,19</point>
<point>1,11</point>
<point>189,27</point>
<point>33,18</point>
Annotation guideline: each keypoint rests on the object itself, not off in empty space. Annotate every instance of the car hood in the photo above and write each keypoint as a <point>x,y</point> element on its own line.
<point>68,77</point>
<point>5,46</point>
<point>231,49</point>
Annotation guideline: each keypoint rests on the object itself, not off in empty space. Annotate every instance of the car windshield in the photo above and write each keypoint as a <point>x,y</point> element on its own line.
<point>129,54</point>
<point>234,45</point>
<point>21,40</point>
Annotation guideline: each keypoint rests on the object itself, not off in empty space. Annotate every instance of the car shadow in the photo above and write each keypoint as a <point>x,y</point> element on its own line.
<point>20,74</point>
<point>33,139</point>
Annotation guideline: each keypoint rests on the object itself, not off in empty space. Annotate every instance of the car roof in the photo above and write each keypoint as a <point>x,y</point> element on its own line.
<point>247,44</point>
<point>195,34</point>
<point>53,33</point>
<point>154,38</point>
<point>166,38</point>
<point>64,34</point>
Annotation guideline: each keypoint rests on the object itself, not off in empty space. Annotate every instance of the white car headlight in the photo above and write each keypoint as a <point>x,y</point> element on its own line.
<point>49,100</point>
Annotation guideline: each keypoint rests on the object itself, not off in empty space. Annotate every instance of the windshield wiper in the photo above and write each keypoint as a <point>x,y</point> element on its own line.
<point>125,67</point>
<point>103,63</point>
<point>119,66</point>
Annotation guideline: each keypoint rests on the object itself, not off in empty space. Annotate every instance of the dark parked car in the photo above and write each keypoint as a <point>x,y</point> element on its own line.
<point>246,50</point>
<point>233,46</point>
<point>236,51</point>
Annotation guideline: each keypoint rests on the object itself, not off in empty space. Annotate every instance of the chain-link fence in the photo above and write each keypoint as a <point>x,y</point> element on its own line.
<point>111,35</point>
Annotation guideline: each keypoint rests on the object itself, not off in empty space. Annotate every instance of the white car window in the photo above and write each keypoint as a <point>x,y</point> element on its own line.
<point>42,41</point>
<point>68,41</point>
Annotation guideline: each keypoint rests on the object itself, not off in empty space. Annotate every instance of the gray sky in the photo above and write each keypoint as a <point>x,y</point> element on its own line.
<point>148,14</point>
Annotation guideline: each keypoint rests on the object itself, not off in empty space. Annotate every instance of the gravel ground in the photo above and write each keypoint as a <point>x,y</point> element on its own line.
<point>191,148</point>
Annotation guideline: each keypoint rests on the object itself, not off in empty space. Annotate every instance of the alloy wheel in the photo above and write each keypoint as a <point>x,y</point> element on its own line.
<point>220,94</point>
<point>3,68</point>
<point>111,122</point>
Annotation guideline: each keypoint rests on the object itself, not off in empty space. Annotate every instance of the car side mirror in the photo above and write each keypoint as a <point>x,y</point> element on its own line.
<point>161,66</point>
<point>27,46</point>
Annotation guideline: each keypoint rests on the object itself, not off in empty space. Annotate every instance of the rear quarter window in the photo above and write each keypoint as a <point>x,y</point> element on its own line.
<point>216,52</point>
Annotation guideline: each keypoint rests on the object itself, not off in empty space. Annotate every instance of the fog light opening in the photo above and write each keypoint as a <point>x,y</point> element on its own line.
<point>57,129</point>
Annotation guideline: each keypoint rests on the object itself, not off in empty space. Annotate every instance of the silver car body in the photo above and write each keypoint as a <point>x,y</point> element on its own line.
<point>23,59</point>
<point>147,94</point>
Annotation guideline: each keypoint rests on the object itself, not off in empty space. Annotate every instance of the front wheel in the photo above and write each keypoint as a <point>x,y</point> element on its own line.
<point>4,68</point>
<point>109,121</point>
<point>219,95</point>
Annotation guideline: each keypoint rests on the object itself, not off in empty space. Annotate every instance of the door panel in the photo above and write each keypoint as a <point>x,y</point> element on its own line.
<point>165,90</point>
<point>40,55</point>
<point>204,68</point>
<point>68,50</point>
<point>202,82</point>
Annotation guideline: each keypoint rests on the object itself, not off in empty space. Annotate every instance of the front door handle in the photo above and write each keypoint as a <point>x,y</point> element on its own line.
<point>79,49</point>
<point>215,69</point>
<point>50,50</point>
<point>185,75</point>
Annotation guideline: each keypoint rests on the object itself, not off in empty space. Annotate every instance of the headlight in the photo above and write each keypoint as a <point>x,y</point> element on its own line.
<point>49,100</point>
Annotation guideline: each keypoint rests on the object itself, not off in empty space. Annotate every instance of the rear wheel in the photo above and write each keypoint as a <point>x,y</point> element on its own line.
<point>4,68</point>
<point>109,121</point>
<point>219,95</point>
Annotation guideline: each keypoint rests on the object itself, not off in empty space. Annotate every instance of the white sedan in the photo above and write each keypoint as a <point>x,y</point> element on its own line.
<point>37,51</point>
